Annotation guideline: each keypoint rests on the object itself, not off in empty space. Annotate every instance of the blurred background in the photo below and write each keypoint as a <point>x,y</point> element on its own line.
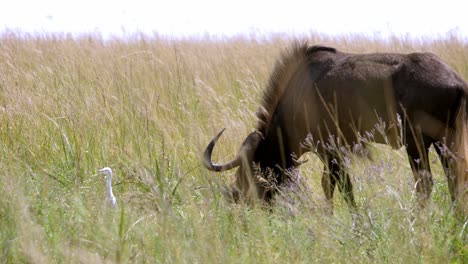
<point>182,18</point>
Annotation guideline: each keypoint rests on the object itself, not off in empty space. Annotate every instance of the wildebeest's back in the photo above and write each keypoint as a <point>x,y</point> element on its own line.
<point>365,67</point>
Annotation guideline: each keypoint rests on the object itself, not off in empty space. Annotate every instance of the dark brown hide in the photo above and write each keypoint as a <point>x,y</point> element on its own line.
<point>338,100</point>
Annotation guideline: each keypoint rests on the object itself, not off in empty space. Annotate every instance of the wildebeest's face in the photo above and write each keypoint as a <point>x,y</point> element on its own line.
<point>246,184</point>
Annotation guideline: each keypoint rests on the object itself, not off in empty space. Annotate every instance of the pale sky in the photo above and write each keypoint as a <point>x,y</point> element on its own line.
<point>184,17</point>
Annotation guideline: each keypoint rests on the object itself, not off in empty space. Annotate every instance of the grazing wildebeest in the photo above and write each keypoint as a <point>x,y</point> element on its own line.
<point>337,100</point>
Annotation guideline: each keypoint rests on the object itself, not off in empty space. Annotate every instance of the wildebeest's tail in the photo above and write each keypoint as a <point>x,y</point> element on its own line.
<point>461,149</point>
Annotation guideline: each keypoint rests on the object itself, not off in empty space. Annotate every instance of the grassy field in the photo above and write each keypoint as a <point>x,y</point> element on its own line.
<point>147,107</point>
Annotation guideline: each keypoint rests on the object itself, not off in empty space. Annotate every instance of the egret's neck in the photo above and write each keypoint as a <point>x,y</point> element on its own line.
<point>109,185</point>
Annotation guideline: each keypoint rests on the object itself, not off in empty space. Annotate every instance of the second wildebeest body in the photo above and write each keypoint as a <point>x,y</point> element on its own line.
<point>336,100</point>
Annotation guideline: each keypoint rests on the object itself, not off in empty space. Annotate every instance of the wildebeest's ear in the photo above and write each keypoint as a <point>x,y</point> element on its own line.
<point>314,48</point>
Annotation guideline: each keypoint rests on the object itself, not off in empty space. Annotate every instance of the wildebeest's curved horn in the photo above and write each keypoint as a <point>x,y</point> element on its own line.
<point>236,162</point>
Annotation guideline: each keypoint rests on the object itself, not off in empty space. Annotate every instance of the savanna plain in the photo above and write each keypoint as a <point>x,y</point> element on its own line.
<point>147,107</point>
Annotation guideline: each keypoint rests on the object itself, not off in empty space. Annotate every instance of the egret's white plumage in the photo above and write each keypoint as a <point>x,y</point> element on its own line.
<point>109,194</point>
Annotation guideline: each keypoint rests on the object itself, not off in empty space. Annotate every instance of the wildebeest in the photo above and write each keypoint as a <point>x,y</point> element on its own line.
<point>337,100</point>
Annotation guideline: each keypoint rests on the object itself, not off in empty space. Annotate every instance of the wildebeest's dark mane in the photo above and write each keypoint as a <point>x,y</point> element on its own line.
<point>289,63</point>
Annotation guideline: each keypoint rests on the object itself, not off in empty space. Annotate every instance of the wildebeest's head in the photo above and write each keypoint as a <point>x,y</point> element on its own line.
<point>246,185</point>
<point>265,154</point>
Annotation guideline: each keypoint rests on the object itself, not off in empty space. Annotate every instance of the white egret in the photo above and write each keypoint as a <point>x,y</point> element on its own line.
<point>109,195</point>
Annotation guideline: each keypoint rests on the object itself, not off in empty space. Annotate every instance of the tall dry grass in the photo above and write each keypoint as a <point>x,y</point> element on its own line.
<point>147,107</point>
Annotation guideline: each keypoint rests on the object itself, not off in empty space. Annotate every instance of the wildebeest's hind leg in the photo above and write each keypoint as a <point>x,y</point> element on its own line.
<point>418,152</point>
<point>442,152</point>
<point>335,174</point>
